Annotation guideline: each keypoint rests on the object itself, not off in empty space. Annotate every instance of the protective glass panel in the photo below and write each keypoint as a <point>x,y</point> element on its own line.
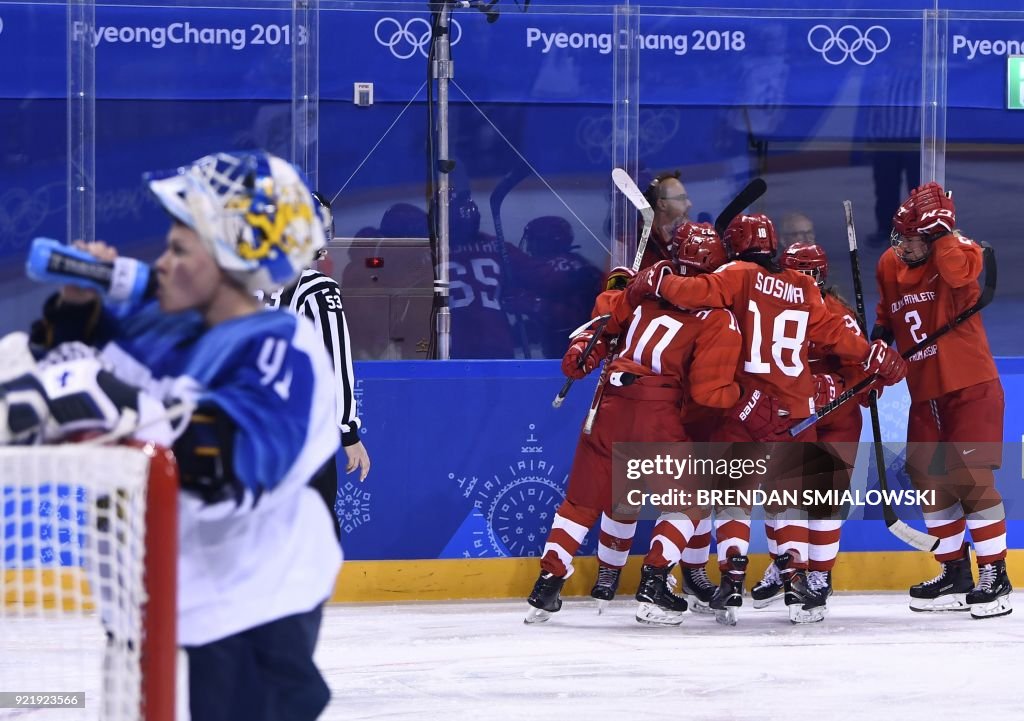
<point>33,147</point>
<point>824,105</point>
<point>529,128</point>
<point>984,134</point>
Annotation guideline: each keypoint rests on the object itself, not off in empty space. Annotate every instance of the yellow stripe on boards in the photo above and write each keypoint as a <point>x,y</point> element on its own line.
<point>449,579</point>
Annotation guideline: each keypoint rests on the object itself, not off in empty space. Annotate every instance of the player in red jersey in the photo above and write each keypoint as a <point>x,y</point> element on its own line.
<point>955,430</point>
<point>780,313</point>
<point>666,355</point>
<point>840,431</point>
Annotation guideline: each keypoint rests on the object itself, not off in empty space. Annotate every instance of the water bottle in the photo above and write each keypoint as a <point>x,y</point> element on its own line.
<point>124,280</point>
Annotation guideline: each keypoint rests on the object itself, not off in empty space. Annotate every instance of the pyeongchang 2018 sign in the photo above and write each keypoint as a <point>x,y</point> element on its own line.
<point>727,60</point>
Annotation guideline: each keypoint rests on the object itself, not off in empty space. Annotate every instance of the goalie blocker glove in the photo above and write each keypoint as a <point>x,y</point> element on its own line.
<point>60,398</point>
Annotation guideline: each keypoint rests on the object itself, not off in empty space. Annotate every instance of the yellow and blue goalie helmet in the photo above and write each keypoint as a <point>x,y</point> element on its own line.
<point>253,210</point>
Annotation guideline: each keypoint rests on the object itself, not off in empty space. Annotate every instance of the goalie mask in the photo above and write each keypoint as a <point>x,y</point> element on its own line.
<point>252,210</point>
<point>751,234</point>
<point>809,259</point>
<point>698,249</point>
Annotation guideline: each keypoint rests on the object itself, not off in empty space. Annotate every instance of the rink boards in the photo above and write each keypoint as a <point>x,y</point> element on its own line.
<point>468,457</point>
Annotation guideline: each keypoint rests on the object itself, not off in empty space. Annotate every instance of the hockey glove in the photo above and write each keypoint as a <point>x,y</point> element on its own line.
<point>886,363</point>
<point>761,416</point>
<point>577,363</point>
<point>827,388</point>
<point>63,398</point>
<point>934,213</point>
<point>647,282</point>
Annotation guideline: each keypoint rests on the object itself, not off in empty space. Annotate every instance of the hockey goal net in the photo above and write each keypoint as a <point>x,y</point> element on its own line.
<point>88,565</point>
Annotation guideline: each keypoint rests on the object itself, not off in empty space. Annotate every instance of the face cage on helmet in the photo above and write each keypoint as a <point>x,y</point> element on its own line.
<point>896,241</point>
<point>815,273</point>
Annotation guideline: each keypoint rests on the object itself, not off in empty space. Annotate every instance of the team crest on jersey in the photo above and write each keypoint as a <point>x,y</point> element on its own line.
<point>516,503</point>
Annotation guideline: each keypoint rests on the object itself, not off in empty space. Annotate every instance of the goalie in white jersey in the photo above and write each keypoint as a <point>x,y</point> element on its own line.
<point>257,559</point>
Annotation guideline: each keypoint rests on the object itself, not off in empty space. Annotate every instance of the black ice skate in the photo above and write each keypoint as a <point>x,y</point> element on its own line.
<point>991,597</point>
<point>805,604</point>
<point>658,605</point>
<point>544,599</point>
<point>729,594</point>
<point>947,591</point>
<point>698,589</point>
<point>769,588</point>
<point>606,585</point>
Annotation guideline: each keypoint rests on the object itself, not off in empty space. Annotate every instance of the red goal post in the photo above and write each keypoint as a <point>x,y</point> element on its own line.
<point>88,576</point>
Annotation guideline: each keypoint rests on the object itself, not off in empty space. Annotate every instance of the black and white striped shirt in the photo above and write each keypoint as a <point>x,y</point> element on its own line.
<point>318,297</point>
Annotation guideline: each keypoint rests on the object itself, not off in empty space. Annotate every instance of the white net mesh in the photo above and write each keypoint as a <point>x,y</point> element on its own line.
<point>71,575</point>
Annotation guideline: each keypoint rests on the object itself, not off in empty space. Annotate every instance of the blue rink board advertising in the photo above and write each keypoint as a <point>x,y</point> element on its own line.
<point>470,461</point>
<point>819,58</point>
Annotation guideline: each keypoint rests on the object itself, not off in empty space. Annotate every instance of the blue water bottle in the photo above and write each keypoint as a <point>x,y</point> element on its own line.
<point>124,280</point>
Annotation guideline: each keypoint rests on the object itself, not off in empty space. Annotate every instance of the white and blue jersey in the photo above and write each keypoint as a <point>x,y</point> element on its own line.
<point>267,551</point>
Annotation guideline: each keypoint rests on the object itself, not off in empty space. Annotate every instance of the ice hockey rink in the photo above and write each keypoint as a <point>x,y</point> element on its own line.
<point>871,658</point>
<point>432,661</point>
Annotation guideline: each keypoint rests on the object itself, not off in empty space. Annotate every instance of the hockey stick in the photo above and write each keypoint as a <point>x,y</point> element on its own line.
<point>628,188</point>
<point>502,189</point>
<point>602,322</point>
<point>909,535</point>
<point>633,194</point>
<point>747,197</point>
<point>988,291</point>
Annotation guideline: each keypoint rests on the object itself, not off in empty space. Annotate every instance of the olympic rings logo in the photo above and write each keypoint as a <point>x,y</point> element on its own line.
<point>405,40</point>
<point>849,43</point>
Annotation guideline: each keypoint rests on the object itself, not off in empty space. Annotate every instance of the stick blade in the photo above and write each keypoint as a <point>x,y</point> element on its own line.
<point>747,197</point>
<point>628,188</point>
<point>913,537</point>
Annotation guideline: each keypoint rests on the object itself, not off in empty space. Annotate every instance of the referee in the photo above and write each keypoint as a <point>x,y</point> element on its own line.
<point>318,297</point>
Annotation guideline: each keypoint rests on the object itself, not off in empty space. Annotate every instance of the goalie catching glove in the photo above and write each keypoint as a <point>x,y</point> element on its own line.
<point>577,363</point>
<point>60,398</point>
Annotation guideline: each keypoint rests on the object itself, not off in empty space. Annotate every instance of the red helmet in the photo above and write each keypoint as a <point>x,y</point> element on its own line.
<point>809,259</point>
<point>751,234</point>
<point>698,246</point>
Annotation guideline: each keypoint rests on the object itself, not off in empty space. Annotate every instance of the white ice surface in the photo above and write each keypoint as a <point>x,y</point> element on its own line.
<point>872,658</point>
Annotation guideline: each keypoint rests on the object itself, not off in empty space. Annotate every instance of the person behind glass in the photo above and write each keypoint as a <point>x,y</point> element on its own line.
<point>667,196</point>
<point>317,296</point>
<point>955,429</point>
<point>566,283</point>
<point>257,558</point>
<point>795,228</point>
<point>479,271</point>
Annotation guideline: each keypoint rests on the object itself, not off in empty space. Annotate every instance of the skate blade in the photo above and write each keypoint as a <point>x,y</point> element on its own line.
<point>602,605</point>
<point>949,602</point>
<point>726,616</point>
<point>993,609</point>
<point>799,614</point>
<point>536,615</point>
<point>766,602</point>
<point>699,607</point>
<point>655,615</point>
